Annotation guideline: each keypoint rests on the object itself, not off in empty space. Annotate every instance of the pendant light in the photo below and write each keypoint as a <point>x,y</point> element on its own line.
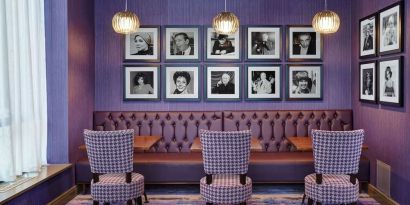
<point>225,22</point>
<point>326,21</point>
<point>125,22</point>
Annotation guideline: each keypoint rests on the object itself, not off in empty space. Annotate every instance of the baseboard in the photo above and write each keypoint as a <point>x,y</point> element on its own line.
<point>380,196</point>
<point>65,197</point>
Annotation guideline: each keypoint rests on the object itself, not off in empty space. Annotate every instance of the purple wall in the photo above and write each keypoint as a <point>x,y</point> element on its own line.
<point>109,48</point>
<point>387,132</point>
<point>57,85</point>
<point>80,73</point>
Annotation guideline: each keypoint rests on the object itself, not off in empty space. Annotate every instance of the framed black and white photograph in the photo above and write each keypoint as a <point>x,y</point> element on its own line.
<point>143,45</point>
<point>141,83</point>
<point>223,83</point>
<point>181,83</point>
<point>182,43</point>
<point>390,72</point>
<point>368,84</point>
<point>303,43</point>
<point>391,27</point>
<point>222,47</point>
<point>263,43</point>
<point>368,37</point>
<point>304,82</point>
<point>263,82</point>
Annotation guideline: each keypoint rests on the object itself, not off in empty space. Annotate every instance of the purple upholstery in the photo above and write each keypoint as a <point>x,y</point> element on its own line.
<point>271,127</point>
<point>178,129</point>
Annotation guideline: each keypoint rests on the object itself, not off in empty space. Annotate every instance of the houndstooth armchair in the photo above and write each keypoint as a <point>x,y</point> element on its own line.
<point>226,158</point>
<point>336,155</point>
<point>111,156</point>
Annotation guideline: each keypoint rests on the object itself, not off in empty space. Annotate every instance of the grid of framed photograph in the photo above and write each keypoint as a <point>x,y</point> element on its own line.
<point>222,83</point>
<point>368,36</point>
<point>182,43</point>
<point>304,82</point>
<point>391,27</point>
<point>143,45</point>
<point>263,82</point>
<point>368,77</point>
<point>390,81</point>
<point>304,44</point>
<point>263,43</point>
<point>181,83</point>
<point>141,83</point>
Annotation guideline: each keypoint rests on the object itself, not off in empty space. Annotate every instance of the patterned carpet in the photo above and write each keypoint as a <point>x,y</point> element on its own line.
<point>189,195</point>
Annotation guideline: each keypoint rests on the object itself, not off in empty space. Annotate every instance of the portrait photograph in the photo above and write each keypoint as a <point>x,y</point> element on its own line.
<point>368,83</point>
<point>143,45</point>
<point>263,43</point>
<point>390,81</point>
<point>221,46</point>
<point>368,28</point>
<point>222,83</point>
<point>141,83</point>
<point>390,31</point>
<point>181,83</point>
<point>263,82</point>
<point>304,82</point>
<point>182,43</point>
<point>304,44</point>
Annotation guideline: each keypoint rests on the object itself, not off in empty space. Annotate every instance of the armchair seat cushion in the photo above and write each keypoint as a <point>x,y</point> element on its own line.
<point>113,187</point>
<point>226,189</point>
<point>334,189</point>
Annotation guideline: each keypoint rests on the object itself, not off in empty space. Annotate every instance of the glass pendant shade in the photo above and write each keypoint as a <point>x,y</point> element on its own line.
<point>125,22</point>
<point>326,22</point>
<point>225,23</point>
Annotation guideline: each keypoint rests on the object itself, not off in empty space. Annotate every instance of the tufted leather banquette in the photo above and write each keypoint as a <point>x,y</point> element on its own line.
<point>170,160</point>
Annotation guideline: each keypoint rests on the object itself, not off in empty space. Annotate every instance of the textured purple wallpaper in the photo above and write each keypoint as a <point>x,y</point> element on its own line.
<point>387,128</point>
<point>80,73</point>
<point>57,86</point>
<point>109,48</point>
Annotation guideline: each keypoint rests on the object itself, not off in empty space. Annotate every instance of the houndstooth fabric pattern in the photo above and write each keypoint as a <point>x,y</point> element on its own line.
<point>225,152</point>
<point>110,151</point>
<point>335,189</point>
<point>226,189</point>
<point>337,152</point>
<point>113,187</point>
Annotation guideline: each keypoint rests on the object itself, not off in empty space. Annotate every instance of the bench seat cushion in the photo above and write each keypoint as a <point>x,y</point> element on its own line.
<point>188,167</point>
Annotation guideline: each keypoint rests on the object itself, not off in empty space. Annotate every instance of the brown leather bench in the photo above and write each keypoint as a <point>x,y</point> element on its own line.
<point>171,160</point>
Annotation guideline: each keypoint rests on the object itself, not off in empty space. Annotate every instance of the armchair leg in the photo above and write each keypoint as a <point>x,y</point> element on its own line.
<point>310,201</point>
<point>95,203</point>
<point>139,200</point>
<point>243,203</point>
<point>146,198</point>
<point>303,198</point>
<point>318,203</point>
<point>129,202</point>
<point>106,203</point>
<point>353,203</point>
<point>208,203</point>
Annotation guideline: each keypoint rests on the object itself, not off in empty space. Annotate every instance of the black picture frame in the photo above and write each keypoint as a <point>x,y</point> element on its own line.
<point>382,87</point>
<point>211,37</point>
<point>366,91</point>
<point>395,47</point>
<point>276,86</point>
<point>148,73</point>
<point>193,32</point>
<point>305,74</point>
<point>193,93</point>
<point>209,94</point>
<point>250,45</point>
<point>290,29</point>
<point>153,34</point>
<point>375,38</point>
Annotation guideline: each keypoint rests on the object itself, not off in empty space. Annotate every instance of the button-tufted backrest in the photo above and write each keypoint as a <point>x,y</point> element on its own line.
<point>178,129</point>
<point>273,126</point>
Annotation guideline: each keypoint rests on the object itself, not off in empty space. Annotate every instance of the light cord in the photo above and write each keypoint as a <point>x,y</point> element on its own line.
<point>126,5</point>
<point>325,5</point>
<point>225,5</point>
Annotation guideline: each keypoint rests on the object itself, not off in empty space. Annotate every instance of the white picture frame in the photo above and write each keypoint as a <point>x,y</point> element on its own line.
<point>264,42</point>
<point>141,83</point>
<point>221,47</point>
<point>182,83</point>
<point>263,82</point>
<point>182,43</point>
<point>143,45</point>
<point>222,83</point>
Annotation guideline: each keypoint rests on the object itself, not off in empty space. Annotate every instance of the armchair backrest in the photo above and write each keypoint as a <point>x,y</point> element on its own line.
<point>110,151</point>
<point>225,152</point>
<point>337,152</point>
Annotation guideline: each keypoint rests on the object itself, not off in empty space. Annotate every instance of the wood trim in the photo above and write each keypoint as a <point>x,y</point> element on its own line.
<point>380,196</point>
<point>65,197</point>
